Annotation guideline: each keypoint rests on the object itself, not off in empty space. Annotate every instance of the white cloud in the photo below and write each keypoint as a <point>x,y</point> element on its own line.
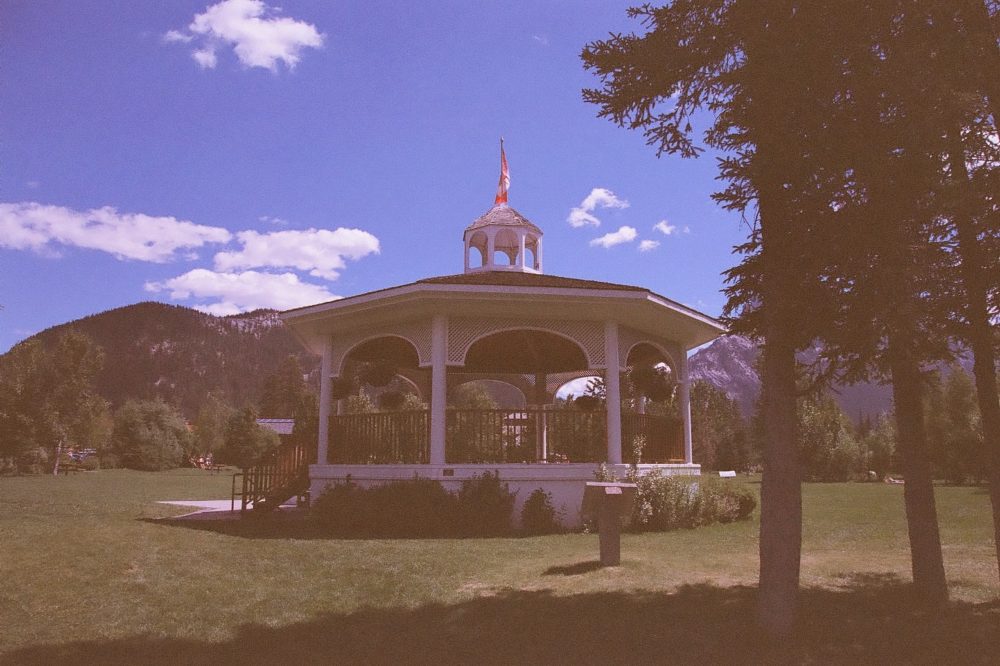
<point>258,36</point>
<point>647,245</point>
<point>320,251</point>
<point>665,228</point>
<point>599,197</point>
<point>276,221</point>
<point>43,228</point>
<point>541,39</point>
<point>231,293</point>
<point>623,235</point>
<point>174,36</point>
<point>686,229</point>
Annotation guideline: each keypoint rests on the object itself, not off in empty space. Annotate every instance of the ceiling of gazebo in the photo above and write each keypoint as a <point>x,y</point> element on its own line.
<point>524,351</point>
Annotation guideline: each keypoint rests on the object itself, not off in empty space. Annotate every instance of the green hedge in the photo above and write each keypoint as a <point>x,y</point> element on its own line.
<point>416,508</point>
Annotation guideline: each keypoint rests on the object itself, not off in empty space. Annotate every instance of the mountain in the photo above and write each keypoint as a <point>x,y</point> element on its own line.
<point>179,354</point>
<point>730,364</point>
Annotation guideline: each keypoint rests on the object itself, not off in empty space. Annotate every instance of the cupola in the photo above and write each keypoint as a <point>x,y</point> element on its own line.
<point>502,239</point>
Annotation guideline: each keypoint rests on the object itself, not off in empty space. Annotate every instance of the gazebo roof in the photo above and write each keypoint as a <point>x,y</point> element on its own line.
<point>503,215</point>
<point>512,279</point>
<point>508,294</point>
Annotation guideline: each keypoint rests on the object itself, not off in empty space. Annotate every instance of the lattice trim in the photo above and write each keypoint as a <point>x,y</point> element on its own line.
<point>464,331</point>
<point>417,332</point>
<point>629,337</point>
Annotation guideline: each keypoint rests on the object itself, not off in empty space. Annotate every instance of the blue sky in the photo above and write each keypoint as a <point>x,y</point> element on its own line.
<point>241,154</point>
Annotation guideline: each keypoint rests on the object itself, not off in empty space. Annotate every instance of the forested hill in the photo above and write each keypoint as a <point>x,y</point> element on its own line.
<point>179,354</point>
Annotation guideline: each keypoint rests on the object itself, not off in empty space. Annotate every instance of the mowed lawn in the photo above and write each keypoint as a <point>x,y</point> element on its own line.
<point>86,576</point>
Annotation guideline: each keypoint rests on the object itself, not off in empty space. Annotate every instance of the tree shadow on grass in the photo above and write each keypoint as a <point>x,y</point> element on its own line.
<point>293,525</point>
<point>870,620</point>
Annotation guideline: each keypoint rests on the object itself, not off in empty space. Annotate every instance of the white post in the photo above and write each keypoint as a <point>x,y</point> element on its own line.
<point>324,403</point>
<point>491,235</point>
<point>612,385</point>
<point>538,254</point>
<point>685,386</point>
<point>439,388</point>
<point>521,251</point>
<point>468,248</point>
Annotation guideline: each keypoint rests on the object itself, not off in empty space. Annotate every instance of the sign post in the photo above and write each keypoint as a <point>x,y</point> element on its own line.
<point>609,501</point>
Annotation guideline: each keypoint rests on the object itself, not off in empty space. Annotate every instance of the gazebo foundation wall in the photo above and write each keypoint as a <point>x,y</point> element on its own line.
<point>565,481</point>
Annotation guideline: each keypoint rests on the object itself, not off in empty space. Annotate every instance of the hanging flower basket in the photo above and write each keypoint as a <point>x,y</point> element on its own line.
<point>341,387</point>
<point>391,400</point>
<point>587,403</point>
<point>379,374</point>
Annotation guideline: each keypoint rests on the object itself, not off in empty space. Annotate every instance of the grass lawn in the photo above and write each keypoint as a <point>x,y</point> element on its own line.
<point>87,577</point>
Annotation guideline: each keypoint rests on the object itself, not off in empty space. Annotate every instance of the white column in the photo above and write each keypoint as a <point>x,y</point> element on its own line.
<point>612,385</point>
<point>439,388</point>
<point>521,252</point>
<point>685,396</point>
<point>491,235</point>
<point>468,248</point>
<point>538,254</point>
<point>324,403</point>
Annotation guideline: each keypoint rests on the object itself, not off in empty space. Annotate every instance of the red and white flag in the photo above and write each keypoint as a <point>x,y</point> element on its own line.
<point>504,183</point>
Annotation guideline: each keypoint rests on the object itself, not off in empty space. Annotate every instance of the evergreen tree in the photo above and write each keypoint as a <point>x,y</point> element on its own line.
<point>150,435</point>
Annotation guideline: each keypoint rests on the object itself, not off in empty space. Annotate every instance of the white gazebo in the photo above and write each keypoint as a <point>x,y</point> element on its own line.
<point>501,320</point>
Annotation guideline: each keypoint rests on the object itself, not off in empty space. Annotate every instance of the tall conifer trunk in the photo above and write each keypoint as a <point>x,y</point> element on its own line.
<point>781,488</point>
<point>918,491</point>
<point>980,334</point>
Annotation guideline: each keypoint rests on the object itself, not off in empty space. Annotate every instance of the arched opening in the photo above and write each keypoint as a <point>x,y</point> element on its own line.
<point>505,248</point>
<point>530,260</point>
<point>477,250</point>
<point>523,351</point>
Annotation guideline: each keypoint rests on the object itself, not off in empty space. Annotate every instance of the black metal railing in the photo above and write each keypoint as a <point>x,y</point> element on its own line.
<point>489,436</point>
<point>663,435</point>
<point>380,438</point>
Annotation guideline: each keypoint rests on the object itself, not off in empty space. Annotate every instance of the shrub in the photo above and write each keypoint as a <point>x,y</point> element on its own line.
<point>412,508</point>
<point>485,506</point>
<point>416,508</point>
<point>538,516</point>
<point>666,502</point>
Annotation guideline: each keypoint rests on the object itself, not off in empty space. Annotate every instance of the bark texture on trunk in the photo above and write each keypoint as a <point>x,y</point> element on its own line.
<point>980,334</point>
<point>781,486</point>
<point>918,491</point>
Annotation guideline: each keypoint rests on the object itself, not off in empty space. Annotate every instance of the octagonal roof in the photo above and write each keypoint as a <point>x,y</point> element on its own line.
<point>503,215</point>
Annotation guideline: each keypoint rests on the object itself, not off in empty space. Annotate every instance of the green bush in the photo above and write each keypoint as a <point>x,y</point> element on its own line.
<point>416,508</point>
<point>412,508</point>
<point>150,435</point>
<point>538,516</point>
<point>485,506</point>
<point>668,502</point>
<point>246,442</point>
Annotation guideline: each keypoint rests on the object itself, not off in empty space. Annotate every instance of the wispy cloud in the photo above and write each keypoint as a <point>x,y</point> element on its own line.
<point>624,234</point>
<point>257,34</point>
<point>648,245</point>
<point>599,197</point>
<point>321,252</point>
<point>47,229</point>
<point>665,228</point>
<point>230,293</point>
<point>276,221</point>
<point>541,39</point>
